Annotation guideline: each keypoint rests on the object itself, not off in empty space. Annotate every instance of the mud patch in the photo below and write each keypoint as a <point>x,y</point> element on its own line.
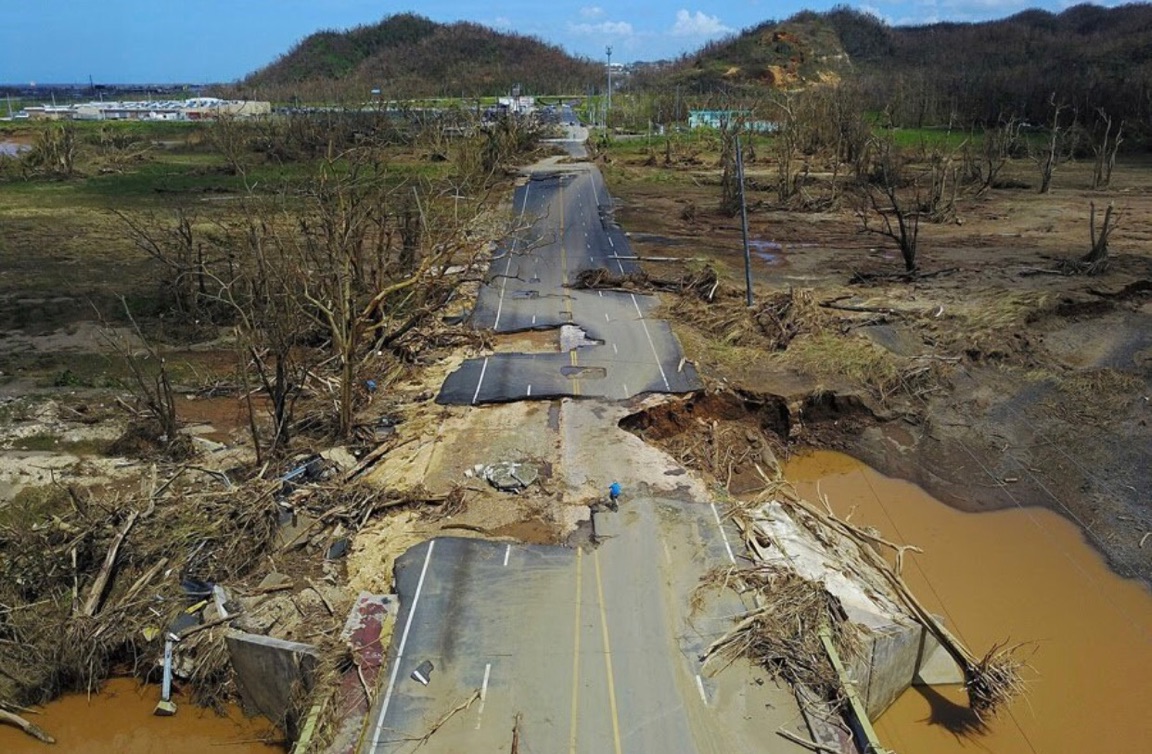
<point>531,531</point>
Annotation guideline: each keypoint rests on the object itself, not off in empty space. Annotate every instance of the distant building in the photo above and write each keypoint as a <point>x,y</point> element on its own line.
<point>721,118</point>
<point>200,108</point>
<point>517,104</point>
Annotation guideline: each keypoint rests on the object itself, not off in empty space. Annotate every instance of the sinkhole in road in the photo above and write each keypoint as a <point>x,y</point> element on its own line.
<point>573,337</point>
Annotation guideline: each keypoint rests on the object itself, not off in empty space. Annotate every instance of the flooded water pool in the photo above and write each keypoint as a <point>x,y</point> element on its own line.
<point>12,148</point>
<point>1017,575</point>
<point>119,720</point>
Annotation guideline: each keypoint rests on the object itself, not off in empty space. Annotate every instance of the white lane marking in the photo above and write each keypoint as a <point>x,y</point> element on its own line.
<point>591,258</point>
<point>529,395</point>
<point>700,686</point>
<point>533,319</point>
<point>723,534</point>
<point>595,194</point>
<point>507,552</point>
<point>650,342</point>
<point>610,242</point>
<point>601,293</point>
<point>400,650</point>
<point>503,287</point>
<point>480,381</point>
<point>606,317</point>
<point>483,695</point>
<point>615,350</point>
<point>667,554</point>
<point>508,263</point>
<point>626,393</point>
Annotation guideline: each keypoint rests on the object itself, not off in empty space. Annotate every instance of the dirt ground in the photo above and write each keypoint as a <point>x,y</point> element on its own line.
<point>986,382</point>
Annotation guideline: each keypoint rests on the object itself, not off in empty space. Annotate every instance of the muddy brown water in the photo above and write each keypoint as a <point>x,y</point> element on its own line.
<point>119,720</point>
<point>1017,575</point>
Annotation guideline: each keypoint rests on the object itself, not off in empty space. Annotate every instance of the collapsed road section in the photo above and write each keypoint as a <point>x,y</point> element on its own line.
<point>564,227</point>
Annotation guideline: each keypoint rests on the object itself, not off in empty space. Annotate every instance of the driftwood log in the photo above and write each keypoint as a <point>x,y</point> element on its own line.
<point>11,718</point>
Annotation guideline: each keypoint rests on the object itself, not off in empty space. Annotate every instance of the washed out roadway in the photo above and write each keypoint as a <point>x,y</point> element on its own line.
<point>564,226</point>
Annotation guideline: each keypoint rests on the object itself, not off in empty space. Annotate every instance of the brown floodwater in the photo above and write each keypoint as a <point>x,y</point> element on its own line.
<point>1017,575</point>
<point>119,720</point>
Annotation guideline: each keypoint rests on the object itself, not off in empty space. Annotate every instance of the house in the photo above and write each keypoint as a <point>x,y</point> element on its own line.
<point>721,118</point>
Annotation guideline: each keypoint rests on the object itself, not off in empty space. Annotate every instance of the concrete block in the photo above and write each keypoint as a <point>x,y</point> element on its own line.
<point>893,653</point>
<point>268,672</point>
<point>935,667</point>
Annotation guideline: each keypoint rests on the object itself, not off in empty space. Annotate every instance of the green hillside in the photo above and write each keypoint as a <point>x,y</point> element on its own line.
<point>407,56</point>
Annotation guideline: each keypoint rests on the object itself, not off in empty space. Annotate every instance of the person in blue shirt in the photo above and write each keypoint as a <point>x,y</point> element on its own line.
<point>614,496</point>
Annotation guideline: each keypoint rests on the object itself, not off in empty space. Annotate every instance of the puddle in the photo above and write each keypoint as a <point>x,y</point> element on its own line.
<point>1017,575</point>
<point>12,148</point>
<point>771,252</point>
<point>119,720</point>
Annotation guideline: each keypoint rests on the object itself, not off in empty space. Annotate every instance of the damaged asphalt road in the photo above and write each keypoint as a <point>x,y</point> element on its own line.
<point>589,648</point>
<point>566,228</point>
<point>596,649</point>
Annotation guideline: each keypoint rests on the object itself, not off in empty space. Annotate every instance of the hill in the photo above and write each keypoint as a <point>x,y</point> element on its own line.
<point>1087,56</point>
<point>407,55</point>
<point>774,54</point>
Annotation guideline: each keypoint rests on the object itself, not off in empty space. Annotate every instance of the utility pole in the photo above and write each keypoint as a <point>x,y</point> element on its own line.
<point>744,224</point>
<point>608,107</point>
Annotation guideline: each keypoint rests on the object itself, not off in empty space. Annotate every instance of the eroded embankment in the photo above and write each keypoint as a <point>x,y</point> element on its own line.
<point>737,437</point>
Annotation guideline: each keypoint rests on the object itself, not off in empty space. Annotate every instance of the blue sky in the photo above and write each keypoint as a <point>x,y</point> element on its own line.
<point>163,41</point>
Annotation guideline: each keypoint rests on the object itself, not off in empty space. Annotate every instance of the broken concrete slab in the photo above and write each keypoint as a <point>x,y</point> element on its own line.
<point>511,476</point>
<point>294,529</point>
<point>269,673</point>
<point>274,581</point>
<point>340,457</point>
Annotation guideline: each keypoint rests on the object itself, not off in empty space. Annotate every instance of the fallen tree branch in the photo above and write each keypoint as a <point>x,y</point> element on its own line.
<point>835,304</point>
<point>96,594</point>
<point>30,728</point>
<point>805,742</point>
<point>448,716</point>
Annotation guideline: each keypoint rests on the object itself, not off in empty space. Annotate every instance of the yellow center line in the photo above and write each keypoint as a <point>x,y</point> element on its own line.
<point>607,655</point>
<point>576,652</point>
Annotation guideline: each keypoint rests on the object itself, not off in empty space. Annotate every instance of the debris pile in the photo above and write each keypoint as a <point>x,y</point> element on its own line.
<point>96,582</point>
<point>814,572</point>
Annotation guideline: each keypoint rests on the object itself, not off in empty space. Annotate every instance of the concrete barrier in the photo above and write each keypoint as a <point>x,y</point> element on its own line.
<point>269,673</point>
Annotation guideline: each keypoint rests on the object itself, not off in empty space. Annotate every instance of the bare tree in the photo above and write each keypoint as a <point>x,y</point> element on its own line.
<point>1096,260</point>
<point>939,202</point>
<point>888,202</point>
<point>150,382</point>
<point>1058,146</point>
<point>982,166</point>
<point>53,153</point>
<point>229,136</point>
<point>1104,147</point>
<point>183,252</point>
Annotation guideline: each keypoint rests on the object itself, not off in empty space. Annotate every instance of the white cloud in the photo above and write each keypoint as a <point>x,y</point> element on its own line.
<point>501,22</point>
<point>591,11</point>
<point>609,28</point>
<point>698,24</point>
